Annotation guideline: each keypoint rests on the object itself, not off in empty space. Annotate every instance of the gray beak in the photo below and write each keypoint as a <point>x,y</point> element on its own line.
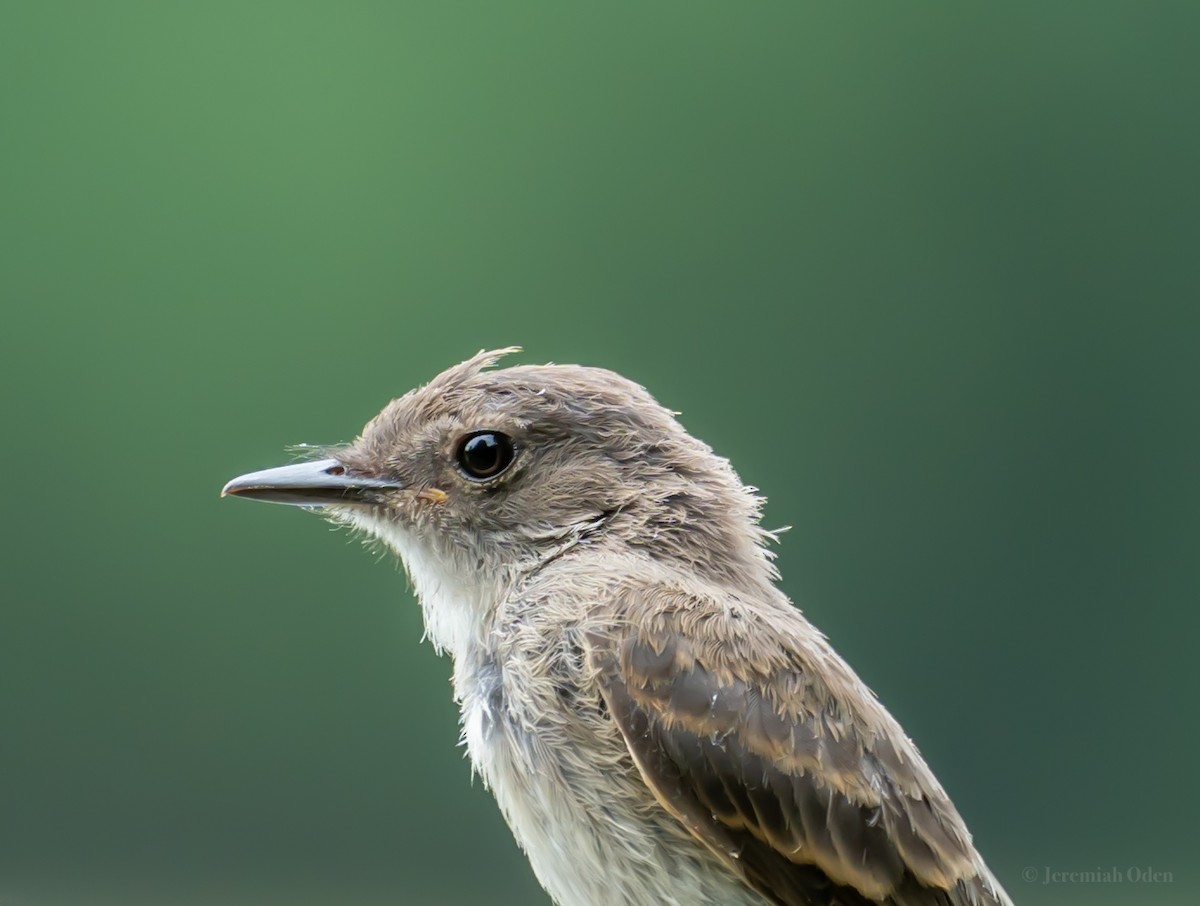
<point>321,483</point>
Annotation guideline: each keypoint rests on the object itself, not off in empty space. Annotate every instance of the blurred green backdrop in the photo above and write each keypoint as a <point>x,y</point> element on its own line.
<point>927,274</point>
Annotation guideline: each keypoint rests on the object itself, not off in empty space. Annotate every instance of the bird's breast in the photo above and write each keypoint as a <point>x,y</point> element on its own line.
<point>592,830</point>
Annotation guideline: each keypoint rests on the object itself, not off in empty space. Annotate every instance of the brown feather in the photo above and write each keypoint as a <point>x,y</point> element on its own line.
<point>776,757</point>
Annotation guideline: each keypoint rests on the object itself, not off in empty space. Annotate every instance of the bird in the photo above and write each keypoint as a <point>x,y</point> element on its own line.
<point>658,722</point>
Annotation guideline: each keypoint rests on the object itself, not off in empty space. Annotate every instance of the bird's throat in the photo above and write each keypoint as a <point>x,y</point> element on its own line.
<point>456,599</point>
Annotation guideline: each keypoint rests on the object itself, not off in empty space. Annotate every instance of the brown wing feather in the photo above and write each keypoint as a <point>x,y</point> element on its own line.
<point>794,775</point>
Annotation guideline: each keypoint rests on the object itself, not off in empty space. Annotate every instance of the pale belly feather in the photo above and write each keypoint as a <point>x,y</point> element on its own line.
<point>592,831</point>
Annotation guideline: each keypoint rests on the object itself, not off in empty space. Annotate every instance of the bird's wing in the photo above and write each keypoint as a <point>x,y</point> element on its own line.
<point>762,742</point>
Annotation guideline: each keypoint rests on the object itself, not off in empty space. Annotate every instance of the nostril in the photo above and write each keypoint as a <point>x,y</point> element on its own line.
<point>336,470</point>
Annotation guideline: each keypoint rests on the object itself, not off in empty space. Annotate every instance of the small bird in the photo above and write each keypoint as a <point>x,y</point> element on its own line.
<point>658,722</point>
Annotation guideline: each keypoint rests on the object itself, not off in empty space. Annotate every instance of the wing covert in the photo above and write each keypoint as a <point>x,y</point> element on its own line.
<point>794,775</point>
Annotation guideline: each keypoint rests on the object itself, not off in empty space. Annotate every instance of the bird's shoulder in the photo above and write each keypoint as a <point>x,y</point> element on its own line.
<point>755,734</point>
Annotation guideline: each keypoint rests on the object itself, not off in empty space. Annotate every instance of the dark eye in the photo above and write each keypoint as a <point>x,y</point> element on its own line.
<point>485,454</point>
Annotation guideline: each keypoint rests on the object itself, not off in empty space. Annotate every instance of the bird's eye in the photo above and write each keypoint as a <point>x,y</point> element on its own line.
<point>485,454</point>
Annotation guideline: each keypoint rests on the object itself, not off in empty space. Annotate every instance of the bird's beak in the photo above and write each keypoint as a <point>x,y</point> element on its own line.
<point>325,482</point>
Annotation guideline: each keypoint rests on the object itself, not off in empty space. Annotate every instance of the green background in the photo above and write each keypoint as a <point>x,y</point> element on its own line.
<point>927,273</point>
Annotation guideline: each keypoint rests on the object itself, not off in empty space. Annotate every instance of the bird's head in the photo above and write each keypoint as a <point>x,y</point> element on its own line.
<point>492,472</point>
